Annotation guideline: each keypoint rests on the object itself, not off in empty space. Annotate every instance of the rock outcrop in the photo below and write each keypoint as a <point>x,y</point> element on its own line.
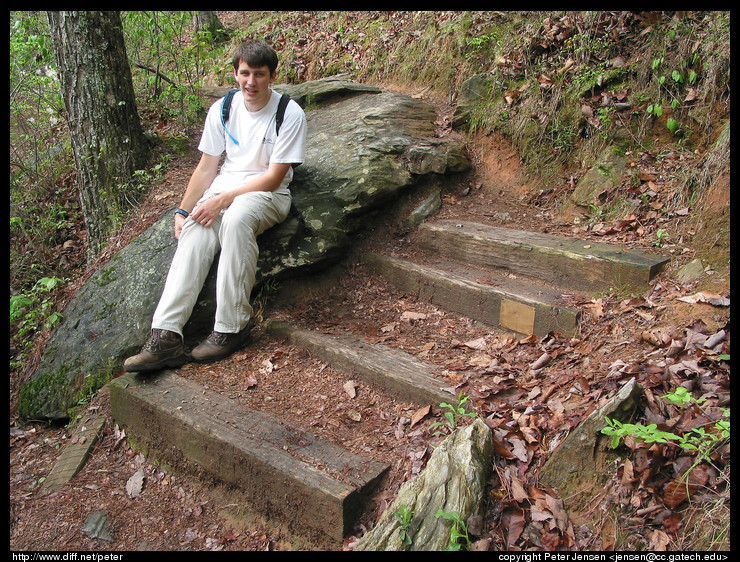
<point>364,149</point>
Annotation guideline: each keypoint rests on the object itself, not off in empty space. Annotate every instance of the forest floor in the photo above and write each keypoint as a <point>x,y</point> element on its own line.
<point>622,336</point>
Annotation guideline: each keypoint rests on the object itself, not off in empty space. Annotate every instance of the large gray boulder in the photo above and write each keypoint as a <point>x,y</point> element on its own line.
<point>363,151</point>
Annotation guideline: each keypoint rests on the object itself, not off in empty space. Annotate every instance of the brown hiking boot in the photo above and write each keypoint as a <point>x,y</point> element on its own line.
<point>164,349</point>
<point>220,345</point>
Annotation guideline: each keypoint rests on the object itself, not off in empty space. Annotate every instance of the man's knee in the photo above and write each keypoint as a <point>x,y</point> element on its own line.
<point>245,222</point>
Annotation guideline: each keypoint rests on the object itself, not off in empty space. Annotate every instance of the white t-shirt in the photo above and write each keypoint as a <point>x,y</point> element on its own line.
<point>258,144</point>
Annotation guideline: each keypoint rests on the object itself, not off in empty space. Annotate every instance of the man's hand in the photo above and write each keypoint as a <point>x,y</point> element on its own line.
<point>179,221</point>
<point>200,180</point>
<point>207,211</point>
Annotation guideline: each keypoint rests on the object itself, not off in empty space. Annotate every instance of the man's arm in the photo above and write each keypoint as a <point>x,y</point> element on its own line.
<point>203,175</point>
<point>208,210</point>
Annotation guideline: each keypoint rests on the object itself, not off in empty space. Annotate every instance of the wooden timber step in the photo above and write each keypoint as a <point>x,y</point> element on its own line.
<point>314,486</point>
<point>496,301</point>
<point>574,266</point>
<point>400,373</point>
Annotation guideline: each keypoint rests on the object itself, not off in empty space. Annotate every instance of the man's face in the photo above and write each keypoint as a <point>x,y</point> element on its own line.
<point>254,84</point>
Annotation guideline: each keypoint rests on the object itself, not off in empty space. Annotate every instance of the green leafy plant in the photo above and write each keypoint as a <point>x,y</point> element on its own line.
<point>453,415</point>
<point>660,236</point>
<point>647,433</point>
<point>478,42</point>
<point>672,89</point>
<point>34,308</point>
<point>681,396</point>
<point>698,439</point>
<point>605,117</point>
<point>33,311</point>
<point>705,442</point>
<point>458,532</point>
<point>595,214</point>
<point>672,125</point>
<point>403,516</point>
<point>655,109</point>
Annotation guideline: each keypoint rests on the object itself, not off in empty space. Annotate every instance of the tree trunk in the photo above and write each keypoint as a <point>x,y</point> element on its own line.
<point>105,130</point>
<point>206,20</point>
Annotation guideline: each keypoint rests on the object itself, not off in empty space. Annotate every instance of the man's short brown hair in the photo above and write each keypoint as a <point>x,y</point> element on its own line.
<point>256,54</point>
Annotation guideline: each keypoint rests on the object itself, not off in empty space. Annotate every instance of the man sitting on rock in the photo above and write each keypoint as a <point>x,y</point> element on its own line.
<point>224,211</point>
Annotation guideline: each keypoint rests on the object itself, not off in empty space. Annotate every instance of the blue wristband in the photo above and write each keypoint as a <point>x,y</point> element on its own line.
<point>182,212</point>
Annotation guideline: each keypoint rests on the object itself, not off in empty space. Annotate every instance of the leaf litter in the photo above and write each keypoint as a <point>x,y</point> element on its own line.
<point>530,391</point>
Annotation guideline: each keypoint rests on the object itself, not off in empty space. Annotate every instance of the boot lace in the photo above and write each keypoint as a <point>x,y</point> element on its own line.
<point>219,338</point>
<point>155,341</point>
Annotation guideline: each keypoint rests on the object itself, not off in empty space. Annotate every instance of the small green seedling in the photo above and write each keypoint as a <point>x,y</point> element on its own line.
<point>453,414</point>
<point>660,236</point>
<point>458,532</point>
<point>403,516</point>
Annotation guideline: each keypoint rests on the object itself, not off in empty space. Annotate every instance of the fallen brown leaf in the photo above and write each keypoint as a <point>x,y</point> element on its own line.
<point>595,309</point>
<point>410,316</point>
<point>706,297</point>
<point>519,449</point>
<point>350,388</point>
<point>419,415</point>
<point>659,540</point>
<point>557,508</point>
<point>512,524</point>
<point>517,490</point>
<point>354,415</point>
<point>135,484</point>
<point>680,489</point>
<point>478,344</point>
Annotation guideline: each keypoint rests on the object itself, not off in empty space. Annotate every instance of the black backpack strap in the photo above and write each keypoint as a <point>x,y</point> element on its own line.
<point>284,99</point>
<point>225,110</point>
<point>279,114</point>
<point>226,105</point>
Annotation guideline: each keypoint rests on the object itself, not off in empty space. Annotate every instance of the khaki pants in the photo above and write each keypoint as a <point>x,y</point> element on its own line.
<point>234,234</point>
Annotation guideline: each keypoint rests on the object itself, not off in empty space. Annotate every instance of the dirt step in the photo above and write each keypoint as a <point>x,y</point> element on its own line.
<point>400,373</point>
<point>575,266</point>
<point>498,302</point>
<point>315,487</point>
